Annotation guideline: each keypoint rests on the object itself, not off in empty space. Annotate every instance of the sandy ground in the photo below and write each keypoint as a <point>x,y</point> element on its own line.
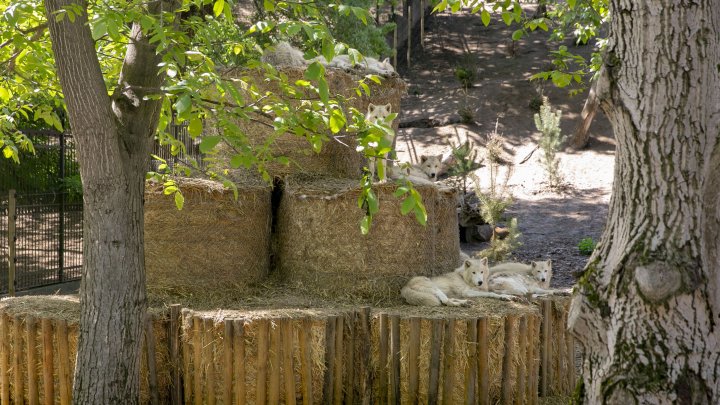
<point>552,222</point>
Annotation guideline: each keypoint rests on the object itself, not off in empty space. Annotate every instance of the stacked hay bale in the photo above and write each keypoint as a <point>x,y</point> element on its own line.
<point>38,348</point>
<point>321,249</point>
<point>215,243</point>
<point>338,157</point>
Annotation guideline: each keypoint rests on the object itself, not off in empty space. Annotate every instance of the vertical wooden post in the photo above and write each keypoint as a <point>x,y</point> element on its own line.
<point>239,350</point>
<point>383,360</point>
<point>275,345</point>
<point>63,362</point>
<point>187,358</point>
<point>32,364</point>
<point>530,360</point>
<point>175,361</point>
<point>197,360</point>
<point>227,380</point>
<point>471,370</point>
<point>559,376</point>
<point>449,362</point>
<point>483,371</point>
<point>435,348</point>
<point>409,33</point>
<point>414,361</point>
<point>363,350</point>
<point>12,217</point>
<point>522,375</point>
<point>48,373</point>
<point>4,353</point>
<point>536,358</point>
<point>209,360</point>
<point>395,359</point>
<point>328,380</point>
<point>288,367</point>
<point>306,361</point>
<point>151,360</point>
<point>422,24</point>
<point>18,388</point>
<point>395,41</point>
<point>546,348</point>
<point>570,342</point>
<point>262,360</point>
<point>507,363</point>
<point>349,338</point>
<point>338,366</point>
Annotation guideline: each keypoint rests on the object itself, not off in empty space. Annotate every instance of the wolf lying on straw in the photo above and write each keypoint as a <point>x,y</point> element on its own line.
<point>523,279</point>
<point>467,281</point>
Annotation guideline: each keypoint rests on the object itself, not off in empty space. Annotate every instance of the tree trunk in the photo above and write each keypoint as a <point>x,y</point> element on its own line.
<point>647,307</point>
<point>582,131</point>
<point>114,138</point>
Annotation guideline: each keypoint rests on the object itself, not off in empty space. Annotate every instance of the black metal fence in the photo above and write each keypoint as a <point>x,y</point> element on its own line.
<point>41,242</point>
<point>42,235</point>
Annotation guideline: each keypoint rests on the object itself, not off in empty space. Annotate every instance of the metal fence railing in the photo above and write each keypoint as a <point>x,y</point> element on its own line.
<point>41,241</point>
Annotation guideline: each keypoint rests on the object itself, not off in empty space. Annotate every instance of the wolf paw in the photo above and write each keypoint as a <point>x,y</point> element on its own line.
<point>454,302</point>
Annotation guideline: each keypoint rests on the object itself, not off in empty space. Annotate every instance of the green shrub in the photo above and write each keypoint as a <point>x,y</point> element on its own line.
<point>586,246</point>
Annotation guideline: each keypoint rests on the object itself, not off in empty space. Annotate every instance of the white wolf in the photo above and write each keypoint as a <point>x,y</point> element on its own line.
<point>374,114</point>
<point>467,281</point>
<point>284,55</point>
<point>367,64</point>
<point>431,165</point>
<point>522,279</point>
<point>424,173</point>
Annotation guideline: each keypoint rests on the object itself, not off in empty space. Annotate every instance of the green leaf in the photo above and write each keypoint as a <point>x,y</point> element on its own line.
<point>314,71</point>
<point>507,18</point>
<point>571,4</point>
<point>485,17</point>
<point>5,94</point>
<point>337,121</point>
<point>400,191</point>
<point>421,215</point>
<point>179,201</point>
<point>195,127</point>
<point>99,29</point>
<point>328,49</point>
<point>365,224</point>
<point>517,35</point>
<point>208,143</point>
<point>361,14</point>
<point>324,90</point>
<point>218,7</point>
<point>269,5</point>
<point>407,205</point>
<point>183,104</point>
<point>373,203</point>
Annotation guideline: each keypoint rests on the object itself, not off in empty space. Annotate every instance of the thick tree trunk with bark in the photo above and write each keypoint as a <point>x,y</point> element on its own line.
<point>647,310</point>
<point>114,137</point>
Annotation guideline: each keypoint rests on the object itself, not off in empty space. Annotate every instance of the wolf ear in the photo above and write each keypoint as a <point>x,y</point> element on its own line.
<point>423,158</point>
<point>468,263</point>
<point>484,261</point>
<point>533,265</point>
<point>371,107</point>
<point>386,60</point>
<point>388,107</point>
<point>440,157</point>
<point>549,262</point>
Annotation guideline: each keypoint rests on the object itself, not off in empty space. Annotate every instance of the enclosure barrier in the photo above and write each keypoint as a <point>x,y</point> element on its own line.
<point>320,356</point>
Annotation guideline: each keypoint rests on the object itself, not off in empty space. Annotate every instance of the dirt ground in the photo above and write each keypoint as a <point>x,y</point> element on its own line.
<point>551,222</point>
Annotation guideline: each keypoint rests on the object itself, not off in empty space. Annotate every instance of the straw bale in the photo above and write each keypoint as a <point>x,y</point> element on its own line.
<point>560,360</point>
<point>337,157</point>
<point>214,244</point>
<point>67,308</point>
<point>321,249</point>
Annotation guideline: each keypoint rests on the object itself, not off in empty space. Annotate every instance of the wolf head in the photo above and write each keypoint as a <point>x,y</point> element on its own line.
<point>431,165</point>
<point>476,273</point>
<point>542,272</point>
<point>378,112</point>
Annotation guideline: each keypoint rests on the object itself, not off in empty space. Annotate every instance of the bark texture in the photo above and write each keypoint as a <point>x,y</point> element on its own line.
<point>648,306</point>
<point>114,137</point>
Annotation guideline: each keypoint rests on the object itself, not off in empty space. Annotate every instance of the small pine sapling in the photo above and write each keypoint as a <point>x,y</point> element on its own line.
<point>548,123</point>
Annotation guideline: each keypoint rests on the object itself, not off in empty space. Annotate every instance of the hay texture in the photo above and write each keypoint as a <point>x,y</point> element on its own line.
<point>321,250</point>
<point>215,243</point>
<point>18,312</point>
<point>337,157</point>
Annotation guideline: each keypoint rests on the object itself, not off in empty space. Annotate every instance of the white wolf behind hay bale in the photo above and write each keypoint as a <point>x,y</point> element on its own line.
<point>215,243</point>
<point>338,157</point>
<point>321,249</point>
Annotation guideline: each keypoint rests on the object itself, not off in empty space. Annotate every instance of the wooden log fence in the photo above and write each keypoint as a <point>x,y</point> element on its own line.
<point>360,356</point>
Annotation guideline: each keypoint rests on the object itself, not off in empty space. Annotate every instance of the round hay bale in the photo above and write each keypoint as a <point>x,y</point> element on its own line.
<point>215,243</point>
<point>338,156</point>
<point>321,250</point>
